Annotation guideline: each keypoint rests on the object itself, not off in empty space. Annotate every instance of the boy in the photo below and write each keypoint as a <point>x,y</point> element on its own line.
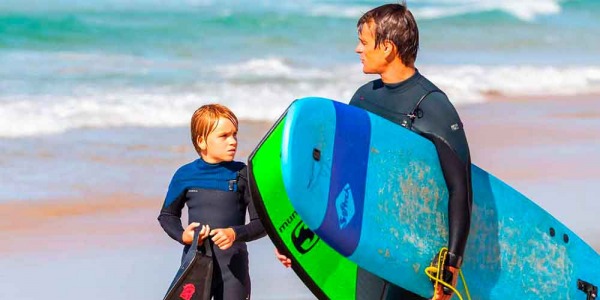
<point>215,189</point>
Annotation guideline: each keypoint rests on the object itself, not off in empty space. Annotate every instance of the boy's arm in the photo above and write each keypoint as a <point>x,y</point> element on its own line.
<point>170,215</point>
<point>254,229</point>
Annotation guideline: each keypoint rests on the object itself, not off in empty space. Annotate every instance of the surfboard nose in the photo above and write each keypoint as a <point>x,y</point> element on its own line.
<point>324,164</point>
<point>306,155</point>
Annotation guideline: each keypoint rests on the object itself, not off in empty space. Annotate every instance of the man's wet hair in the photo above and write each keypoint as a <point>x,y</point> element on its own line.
<point>395,23</point>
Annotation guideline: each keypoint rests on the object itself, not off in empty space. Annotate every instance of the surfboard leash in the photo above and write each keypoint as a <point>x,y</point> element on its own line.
<point>435,273</point>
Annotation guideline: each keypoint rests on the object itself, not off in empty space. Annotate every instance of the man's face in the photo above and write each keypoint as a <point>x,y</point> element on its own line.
<point>373,59</point>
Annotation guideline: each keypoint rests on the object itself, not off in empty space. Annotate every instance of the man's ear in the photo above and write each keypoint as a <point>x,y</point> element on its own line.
<point>201,143</point>
<point>389,49</point>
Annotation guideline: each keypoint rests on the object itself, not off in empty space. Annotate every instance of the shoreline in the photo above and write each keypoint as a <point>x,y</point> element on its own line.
<point>100,218</point>
<point>72,224</point>
<point>513,139</point>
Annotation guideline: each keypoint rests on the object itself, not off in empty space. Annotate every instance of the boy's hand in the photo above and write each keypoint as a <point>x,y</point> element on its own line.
<point>188,233</point>
<point>223,237</point>
<point>283,259</point>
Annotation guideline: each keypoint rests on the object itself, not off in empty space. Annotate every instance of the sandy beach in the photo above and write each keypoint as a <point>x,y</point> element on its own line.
<point>111,245</point>
<point>95,100</point>
<point>547,148</point>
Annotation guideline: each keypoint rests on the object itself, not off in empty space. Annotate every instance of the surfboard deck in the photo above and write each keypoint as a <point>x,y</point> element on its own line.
<point>374,191</point>
<point>325,272</point>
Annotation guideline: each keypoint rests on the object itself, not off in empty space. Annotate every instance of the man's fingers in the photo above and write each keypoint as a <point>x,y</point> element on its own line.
<point>281,257</point>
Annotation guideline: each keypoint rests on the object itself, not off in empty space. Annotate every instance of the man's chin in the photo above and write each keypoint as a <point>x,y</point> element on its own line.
<point>368,71</point>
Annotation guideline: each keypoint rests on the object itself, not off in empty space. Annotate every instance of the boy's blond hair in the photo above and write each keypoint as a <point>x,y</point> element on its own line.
<point>205,119</point>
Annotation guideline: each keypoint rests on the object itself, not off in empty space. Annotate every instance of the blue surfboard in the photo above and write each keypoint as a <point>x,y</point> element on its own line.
<point>374,191</point>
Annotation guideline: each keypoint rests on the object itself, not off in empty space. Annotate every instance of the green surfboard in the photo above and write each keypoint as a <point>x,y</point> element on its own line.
<point>325,272</point>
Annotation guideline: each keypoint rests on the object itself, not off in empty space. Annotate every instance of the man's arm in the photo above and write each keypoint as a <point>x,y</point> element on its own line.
<point>440,124</point>
<point>458,182</point>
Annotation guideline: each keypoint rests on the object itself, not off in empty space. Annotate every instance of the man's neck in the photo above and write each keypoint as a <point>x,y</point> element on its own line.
<point>397,73</point>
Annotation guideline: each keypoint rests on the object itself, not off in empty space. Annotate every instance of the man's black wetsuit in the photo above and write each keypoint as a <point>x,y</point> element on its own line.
<point>216,195</point>
<point>419,105</point>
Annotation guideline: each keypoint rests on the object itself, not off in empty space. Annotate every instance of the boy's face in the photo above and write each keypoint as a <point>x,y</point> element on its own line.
<point>373,59</point>
<point>220,144</point>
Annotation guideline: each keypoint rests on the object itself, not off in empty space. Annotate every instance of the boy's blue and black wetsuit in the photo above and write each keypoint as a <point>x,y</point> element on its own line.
<point>216,195</point>
<point>420,106</point>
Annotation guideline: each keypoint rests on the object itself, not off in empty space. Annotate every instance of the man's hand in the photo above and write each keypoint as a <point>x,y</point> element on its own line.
<point>450,276</point>
<point>223,237</point>
<point>444,270</point>
<point>283,259</point>
<point>188,234</point>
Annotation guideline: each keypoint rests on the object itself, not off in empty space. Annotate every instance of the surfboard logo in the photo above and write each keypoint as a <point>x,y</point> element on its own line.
<point>344,203</point>
<point>288,222</point>
<point>303,238</point>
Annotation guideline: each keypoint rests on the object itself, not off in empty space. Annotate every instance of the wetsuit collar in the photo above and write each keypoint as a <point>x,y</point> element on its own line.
<point>233,165</point>
<point>403,84</point>
<point>205,165</point>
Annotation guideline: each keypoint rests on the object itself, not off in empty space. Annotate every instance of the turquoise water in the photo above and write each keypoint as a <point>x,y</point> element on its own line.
<point>101,63</point>
<point>81,82</point>
<point>213,32</point>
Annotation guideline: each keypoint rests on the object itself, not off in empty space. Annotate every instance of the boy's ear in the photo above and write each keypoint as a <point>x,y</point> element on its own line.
<point>201,143</point>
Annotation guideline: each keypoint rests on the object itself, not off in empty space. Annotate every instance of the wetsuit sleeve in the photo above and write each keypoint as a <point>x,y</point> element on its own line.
<point>440,124</point>
<point>170,215</point>
<point>254,229</point>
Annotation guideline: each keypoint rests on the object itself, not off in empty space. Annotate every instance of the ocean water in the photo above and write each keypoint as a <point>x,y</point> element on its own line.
<point>70,64</point>
<point>96,96</point>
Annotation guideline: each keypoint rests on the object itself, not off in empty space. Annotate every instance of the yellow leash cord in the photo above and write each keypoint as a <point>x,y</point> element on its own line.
<point>436,273</point>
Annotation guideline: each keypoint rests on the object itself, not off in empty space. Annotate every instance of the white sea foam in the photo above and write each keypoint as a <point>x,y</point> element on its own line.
<point>344,11</point>
<point>434,9</point>
<point>273,86</point>
<point>271,68</point>
<point>473,83</point>
<point>428,9</point>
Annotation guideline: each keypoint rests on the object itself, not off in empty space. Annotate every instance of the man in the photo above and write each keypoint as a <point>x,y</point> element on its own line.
<point>388,45</point>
